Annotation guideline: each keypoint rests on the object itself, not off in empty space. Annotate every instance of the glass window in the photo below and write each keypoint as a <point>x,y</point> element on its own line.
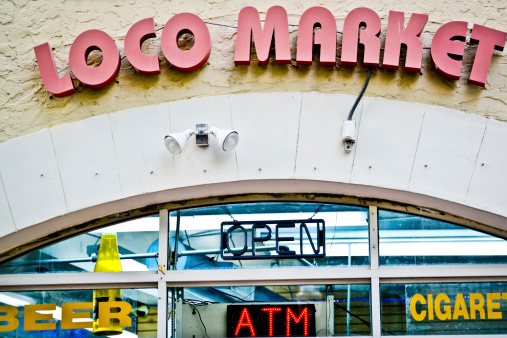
<point>406,239</point>
<point>276,311</point>
<point>444,309</point>
<point>255,227</point>
<point>83,313</point>
<point>134,243</point>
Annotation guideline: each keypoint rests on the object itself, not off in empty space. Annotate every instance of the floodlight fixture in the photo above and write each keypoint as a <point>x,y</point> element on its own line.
<point>176,141</point>
<point>227,139</point>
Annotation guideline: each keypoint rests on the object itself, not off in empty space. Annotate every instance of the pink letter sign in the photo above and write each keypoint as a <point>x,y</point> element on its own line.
<point>249,24</point>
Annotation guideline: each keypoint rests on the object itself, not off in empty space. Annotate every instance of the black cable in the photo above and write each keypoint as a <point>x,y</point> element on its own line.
<point>210,259</point>
<point>205,233</point>
<point>241,299</point>
<point>291,295</point>
<point>197,302</point>
<point>228,213</point>
<point>317,211</point>
<point>361,94</point>
<point>239,260</point>
<point>93,235</point>
<point>364,321</point>
<point>219,24</point>
<point>188,241</point>
<point>204,326</point>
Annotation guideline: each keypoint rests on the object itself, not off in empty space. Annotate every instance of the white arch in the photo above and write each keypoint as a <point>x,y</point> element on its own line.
<point>423,155</point>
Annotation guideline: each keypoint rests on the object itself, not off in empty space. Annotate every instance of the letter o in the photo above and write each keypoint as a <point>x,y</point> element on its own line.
<point>87,42</point>
<point>227,236</point>
<point>186,60</point>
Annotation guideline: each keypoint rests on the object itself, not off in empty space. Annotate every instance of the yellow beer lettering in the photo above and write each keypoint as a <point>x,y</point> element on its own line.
<point>447,308</point>
<point>413,302</point>
<point>474,306</point>
<point>68,315</point>
<point>9,317</point>
<point>117,312</point>
<point>122,316</point>
<point>460,308</point>
<point>430,307</point>
<point>493,306</point>
<point>31,317</point>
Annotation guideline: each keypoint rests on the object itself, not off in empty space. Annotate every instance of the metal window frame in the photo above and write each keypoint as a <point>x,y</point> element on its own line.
<point>164,278</point>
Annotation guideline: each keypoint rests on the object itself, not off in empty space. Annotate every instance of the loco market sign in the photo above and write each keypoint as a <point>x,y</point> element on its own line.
<point>362,26</point>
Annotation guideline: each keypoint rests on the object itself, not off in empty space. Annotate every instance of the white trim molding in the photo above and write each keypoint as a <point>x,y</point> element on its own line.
<point>427,157</point>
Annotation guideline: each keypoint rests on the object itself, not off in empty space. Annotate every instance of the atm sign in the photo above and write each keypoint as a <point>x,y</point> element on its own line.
<point>271,320</point>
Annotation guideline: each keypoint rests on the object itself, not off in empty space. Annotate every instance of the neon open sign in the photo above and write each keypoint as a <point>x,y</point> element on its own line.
<point>271,320</point>
<point>247,240</point>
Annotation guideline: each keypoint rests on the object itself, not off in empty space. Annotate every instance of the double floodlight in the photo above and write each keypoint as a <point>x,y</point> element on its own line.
<point>228,139</point>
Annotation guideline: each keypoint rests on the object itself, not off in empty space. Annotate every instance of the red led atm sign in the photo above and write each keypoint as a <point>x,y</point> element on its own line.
<point>271,320</point>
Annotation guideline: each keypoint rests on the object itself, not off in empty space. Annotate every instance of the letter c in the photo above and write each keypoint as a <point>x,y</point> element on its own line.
<point>137,34</point>
<point>413,302</point>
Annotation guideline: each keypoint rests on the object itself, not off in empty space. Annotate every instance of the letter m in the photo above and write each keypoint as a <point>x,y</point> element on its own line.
<point>249,25</point>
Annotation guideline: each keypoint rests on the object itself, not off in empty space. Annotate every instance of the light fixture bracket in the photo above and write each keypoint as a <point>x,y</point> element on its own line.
<point>201,134</point>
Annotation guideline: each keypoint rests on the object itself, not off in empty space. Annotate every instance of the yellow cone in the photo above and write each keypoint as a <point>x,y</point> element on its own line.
<point>108,260</point>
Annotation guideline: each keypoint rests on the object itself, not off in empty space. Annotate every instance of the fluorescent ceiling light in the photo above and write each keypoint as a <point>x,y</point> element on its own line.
<point>15,299</point>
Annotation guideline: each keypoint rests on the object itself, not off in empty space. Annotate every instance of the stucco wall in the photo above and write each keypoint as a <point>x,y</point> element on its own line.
<point>26,107</point>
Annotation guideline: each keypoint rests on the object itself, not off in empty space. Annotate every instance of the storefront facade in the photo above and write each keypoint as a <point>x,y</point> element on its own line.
<point>402,235</point>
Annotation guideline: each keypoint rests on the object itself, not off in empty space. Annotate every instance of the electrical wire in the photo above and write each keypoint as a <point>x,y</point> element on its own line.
<point>198,302</point>
<point>211,259</point>
<point>204,326</point>
<point>228,213</point>
<point>214,24</point>
<point>317,211</point>
<point>239,298</point>
<point>364,321</point>
<point>219,24</point>
<point>360,94</point>
<point>187,238</point>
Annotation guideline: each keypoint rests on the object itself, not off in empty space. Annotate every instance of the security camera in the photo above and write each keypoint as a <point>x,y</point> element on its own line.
<point>349,134</point>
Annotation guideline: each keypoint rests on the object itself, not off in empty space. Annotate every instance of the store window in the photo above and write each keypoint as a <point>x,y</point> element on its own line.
<point>135,242</point>
<point>130,313</point>
<point>258,228</point>
<point>406,239</point>
<point>313,269</point>
<point>444,309</point>
<point>271,311</point>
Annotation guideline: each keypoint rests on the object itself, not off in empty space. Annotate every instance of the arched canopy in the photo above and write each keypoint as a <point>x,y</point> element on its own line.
<point>429,159</point>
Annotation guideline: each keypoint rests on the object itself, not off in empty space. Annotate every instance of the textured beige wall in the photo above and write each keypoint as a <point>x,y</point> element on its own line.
<point>26,107</point>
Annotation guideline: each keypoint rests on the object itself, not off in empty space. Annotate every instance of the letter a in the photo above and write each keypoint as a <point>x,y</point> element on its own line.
<point>245,321</point>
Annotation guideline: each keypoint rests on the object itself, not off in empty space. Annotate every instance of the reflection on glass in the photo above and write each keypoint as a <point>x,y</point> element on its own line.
<point>137,246</point>
<point>38,314</point>
<point>443,309</point>
<point>322,310</point>
<point>406,239</point>
<point>198,246</point>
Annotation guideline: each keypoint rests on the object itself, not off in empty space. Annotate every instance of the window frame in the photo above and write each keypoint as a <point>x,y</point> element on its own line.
<point>165,278</point>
